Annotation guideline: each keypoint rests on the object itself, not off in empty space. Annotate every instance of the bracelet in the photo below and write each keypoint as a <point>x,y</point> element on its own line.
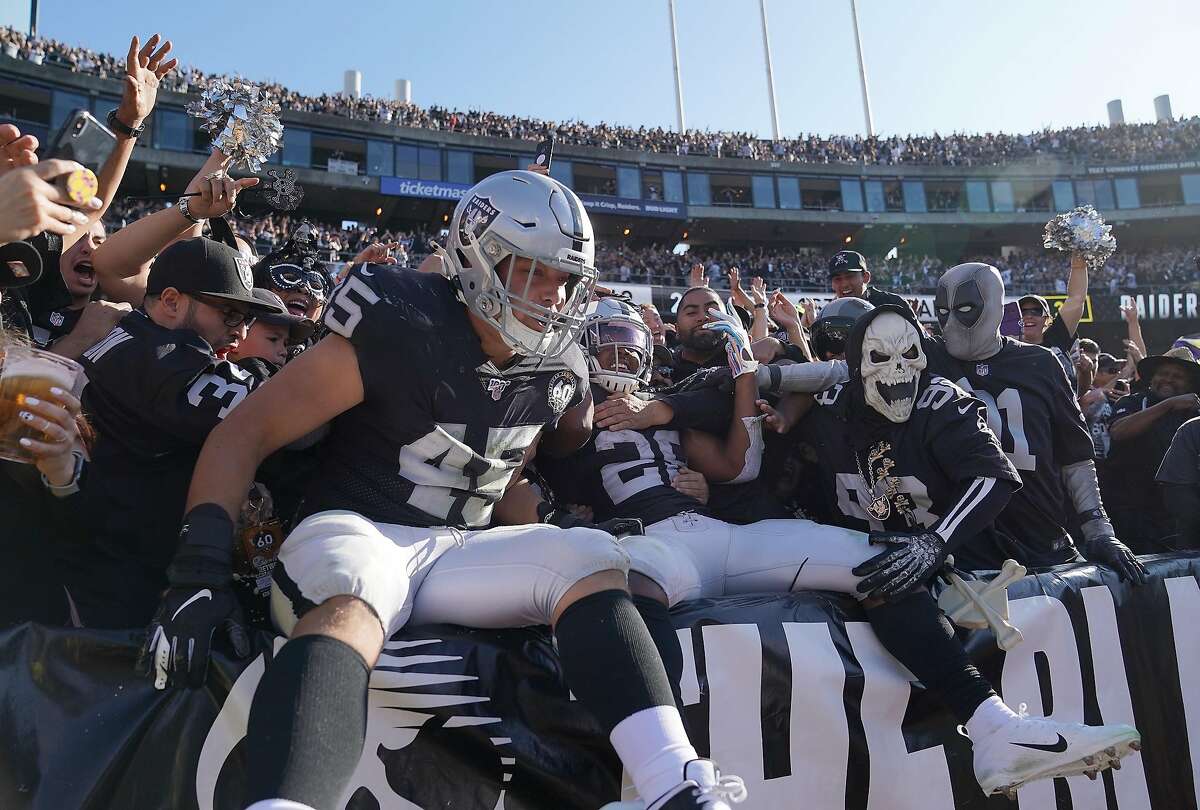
<point>182,206</point>
<point>72,486</point>
<point>760,306</point>
<point>121,128</point>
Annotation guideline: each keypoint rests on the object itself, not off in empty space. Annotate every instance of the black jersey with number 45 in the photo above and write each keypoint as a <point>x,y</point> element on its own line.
<point>622,473</point>
<point>440,430</point>
<point>1032,409</point>
<point>943,446</point>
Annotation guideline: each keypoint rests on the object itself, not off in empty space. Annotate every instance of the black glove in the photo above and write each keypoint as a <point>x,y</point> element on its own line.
<point>1116,555</point>
<point>909,562</point>
<point>565,519</point>
<point>197,601</point>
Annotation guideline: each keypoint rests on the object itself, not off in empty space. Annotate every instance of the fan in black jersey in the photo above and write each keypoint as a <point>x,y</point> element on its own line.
<point>156,388</point>
<point>1033,410</point>
<point>437,389</point>
<point>686,553</point>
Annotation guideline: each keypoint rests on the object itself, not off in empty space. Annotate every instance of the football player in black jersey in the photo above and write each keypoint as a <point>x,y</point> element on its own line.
<point>438,389</point>
<point>686,553</point>
<point>1031,409</point>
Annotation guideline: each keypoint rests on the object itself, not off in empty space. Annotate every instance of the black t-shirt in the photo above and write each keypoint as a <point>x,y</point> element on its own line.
<point>1181,464</point>
<point>1131,468</point>
<point>623,473</point>
<point>682,368</point>
<point>879,297</point>
<point>943,446</point>
<point>440,430</point>
<point>1058,339</point>
<point>1033,411</point>
<point>50,326</point>
<point>153,395</point>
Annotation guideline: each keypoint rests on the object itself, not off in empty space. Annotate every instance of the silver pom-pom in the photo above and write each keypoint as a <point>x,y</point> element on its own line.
<point>1081,230</point>
<point>242,120</point>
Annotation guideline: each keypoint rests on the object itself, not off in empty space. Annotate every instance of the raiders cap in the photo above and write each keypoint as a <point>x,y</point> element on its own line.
<point>846,261</point>
<point>205,267</point>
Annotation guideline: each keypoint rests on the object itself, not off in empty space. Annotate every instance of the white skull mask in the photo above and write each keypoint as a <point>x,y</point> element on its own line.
<point>892,362</point>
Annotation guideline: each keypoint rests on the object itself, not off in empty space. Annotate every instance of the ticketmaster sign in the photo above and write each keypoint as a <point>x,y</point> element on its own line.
<point>430,189</point>
<point>438,190</point>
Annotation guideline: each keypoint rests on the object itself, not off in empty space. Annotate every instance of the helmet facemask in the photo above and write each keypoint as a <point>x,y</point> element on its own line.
<point>892,361</point>
<point>619,353</point>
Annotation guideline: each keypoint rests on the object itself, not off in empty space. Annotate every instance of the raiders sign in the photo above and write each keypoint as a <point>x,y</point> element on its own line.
<point>478,216</point>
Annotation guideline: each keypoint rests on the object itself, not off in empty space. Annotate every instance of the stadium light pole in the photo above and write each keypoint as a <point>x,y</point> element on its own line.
<point>762,7</point>
<point>862,72</point>
<point>675,59</point>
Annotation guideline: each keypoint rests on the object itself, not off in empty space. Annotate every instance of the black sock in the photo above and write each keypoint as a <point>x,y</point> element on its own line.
<point>658,621</point>
<point>308,722</point>
<point>609,658</point>
<point>920,637</point>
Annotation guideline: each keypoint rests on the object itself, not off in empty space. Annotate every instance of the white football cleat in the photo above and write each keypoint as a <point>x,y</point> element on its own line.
<point>695,791</point>
<point>1028,749</point>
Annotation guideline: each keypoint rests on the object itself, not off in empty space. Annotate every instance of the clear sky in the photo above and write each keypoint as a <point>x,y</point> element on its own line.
<point>945,65</point>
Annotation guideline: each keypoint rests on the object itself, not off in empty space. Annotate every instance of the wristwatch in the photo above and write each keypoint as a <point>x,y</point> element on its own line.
<point>72,486</point>
<point>115,124</point>
<point>182,205</point>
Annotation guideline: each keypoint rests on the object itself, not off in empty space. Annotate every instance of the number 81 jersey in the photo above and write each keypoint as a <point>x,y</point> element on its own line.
<point>440,430</point>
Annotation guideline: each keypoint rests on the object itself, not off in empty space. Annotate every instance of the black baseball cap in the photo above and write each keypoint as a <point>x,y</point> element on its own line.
<point>1042,303</point>
<point>846,261</point>
<point>209,268</point>
<point>1108,361</point>
<point>299,328</point>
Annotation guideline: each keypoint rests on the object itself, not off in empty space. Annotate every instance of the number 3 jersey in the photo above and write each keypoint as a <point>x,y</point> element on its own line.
<point>622,474</point>
<point>440,430</point>
<point>921,467</point>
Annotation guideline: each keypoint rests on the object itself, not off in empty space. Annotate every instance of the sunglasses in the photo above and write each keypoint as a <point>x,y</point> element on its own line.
<point>293,277</point>
<point>230,316</point>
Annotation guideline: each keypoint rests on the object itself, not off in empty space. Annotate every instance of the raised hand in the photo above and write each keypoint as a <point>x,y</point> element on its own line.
<point>783,311</point>
<point>218,194</point>
<point>16,150</point>
<point>144,70</point>
<point>377,253</point>
<point>810,313</point>
<point>32,203</point>
<point>758,290</point>
<point>739,295</point>
<point>696,276</point>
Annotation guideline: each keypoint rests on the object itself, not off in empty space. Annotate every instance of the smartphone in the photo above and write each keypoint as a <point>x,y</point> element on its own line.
<point>84,140</point>
<point>1121,386</point>
<point>1010,324</point>
<point>545,152</point>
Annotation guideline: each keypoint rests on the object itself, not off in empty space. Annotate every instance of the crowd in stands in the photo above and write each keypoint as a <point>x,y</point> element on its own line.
<point>213,446</point>
<point>1170,140</point>
<point>805,268</point>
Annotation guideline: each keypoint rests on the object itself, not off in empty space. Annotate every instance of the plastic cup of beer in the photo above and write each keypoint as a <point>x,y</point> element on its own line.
<point>28,372</point>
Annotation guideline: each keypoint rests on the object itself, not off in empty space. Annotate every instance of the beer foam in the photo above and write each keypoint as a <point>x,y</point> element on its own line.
<point>38,368</point>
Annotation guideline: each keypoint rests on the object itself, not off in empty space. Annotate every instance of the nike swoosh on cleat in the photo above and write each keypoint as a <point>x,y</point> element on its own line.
<point>204,594</point>
<point>1055,748</point>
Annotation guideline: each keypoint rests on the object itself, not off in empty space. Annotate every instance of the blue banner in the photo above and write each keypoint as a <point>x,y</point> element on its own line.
<point>640,208</point>
<point>430,189</point>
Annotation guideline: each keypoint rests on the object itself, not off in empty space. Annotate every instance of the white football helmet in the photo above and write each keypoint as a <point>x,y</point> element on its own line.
<point>513,215</point>
<point>617,325</point>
